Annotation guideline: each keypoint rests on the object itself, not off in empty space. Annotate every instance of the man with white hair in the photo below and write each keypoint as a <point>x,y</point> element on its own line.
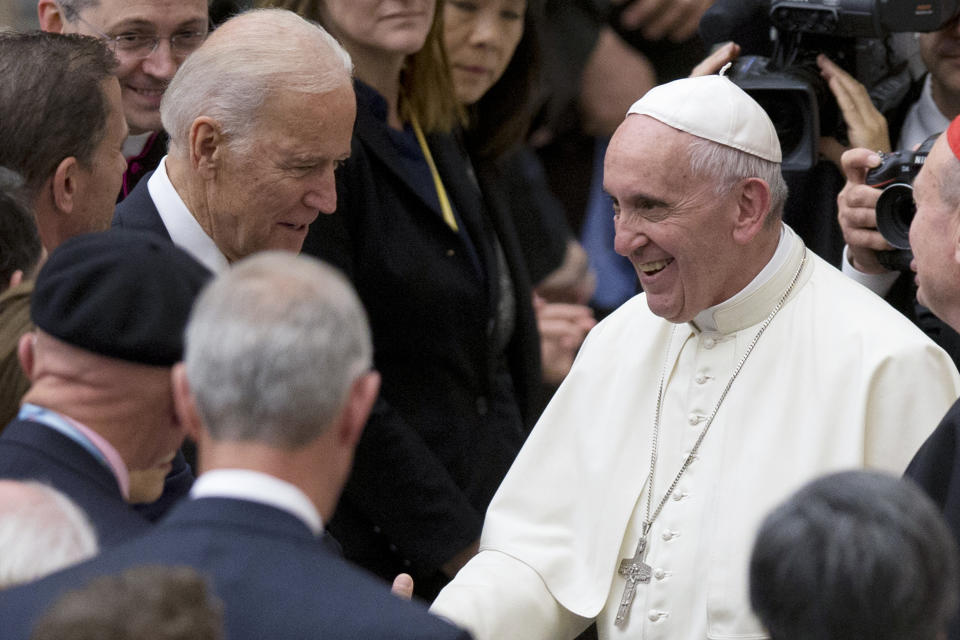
<point>744,370</point>
<point>41,531</point>
<point>258,117</point>
<point>276,447</point>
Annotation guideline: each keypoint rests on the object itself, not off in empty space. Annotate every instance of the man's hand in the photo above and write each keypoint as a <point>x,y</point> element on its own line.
<point>615,76</point>
<point>676,20</point>
<point>715,61</point>
<point>857,212</point>
<point>866,127</point>
<point>562,330</point>
<point>402,586</point>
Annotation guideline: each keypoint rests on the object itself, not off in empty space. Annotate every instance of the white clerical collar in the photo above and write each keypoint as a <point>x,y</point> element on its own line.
<point>183,228</point>
<point>134,144</point>
<point>923,119</point>
<point>244,484</point>
<point>708,319</point>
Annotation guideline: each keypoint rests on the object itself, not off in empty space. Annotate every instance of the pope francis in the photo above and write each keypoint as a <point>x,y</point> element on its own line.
<point>748,367</point>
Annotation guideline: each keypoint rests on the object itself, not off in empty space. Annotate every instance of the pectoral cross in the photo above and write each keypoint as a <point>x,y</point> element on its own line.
<point>636,571</point>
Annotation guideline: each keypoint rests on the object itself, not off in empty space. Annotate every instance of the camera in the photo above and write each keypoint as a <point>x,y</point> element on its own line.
<point>781,39</point>
<point>895,208</point>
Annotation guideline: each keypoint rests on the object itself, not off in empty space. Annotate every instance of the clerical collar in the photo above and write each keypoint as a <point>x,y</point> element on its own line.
<point>183,228</point>
<point>134,145</point>
<point>923,119</point>
<point>244,484</point>
<point>750,304</point>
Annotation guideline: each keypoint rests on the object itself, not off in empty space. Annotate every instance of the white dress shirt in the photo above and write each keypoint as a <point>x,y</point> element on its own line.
<point>183,228</point>
<point>244,484</point>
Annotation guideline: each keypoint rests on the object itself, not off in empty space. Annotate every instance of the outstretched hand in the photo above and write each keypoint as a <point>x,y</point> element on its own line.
<point>866,127</point>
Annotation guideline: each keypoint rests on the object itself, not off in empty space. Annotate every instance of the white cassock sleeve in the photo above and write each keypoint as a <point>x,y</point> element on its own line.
<point>497,597</point>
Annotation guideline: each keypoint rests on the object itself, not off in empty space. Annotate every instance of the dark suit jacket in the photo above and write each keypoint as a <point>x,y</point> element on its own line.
<point>452,412</point>
<point>32,451</point>
<point>936,468</point>
<point>275,578</point>
<point>138,212</point>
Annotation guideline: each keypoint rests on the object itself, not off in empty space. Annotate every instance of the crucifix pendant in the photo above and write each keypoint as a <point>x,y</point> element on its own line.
<point>636,571</point>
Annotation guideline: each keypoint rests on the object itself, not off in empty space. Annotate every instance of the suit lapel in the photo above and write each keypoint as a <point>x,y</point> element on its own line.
<point>138,212</point>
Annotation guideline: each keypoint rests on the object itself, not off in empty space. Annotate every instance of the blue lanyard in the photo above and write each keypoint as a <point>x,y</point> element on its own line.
<point>58,423</point>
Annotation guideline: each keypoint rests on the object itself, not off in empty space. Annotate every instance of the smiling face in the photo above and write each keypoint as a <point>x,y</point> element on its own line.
<point>670,224</point>
<point>267,196</point>
<point>480,37</point>
<point>396,27</point>
<point>143,80</point>
<point>935,236</point>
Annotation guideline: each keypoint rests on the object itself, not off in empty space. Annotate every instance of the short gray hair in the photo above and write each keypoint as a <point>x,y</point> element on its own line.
<point>249,58</point>
<point>727,166</point>
<point>272,349</point>
<point>41,531</point>
<point>72,8</point>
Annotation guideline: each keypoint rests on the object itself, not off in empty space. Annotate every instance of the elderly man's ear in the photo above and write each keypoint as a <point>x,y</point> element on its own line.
<point>184,403</point>
<point>753,207</point>
<point>207,146</point>
<point>50,16</point>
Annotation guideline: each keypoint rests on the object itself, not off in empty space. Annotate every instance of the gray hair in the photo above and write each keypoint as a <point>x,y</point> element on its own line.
<point>727,166</point>
<point>72,8</point>
<point>855,555</point>
<point>41,531</point>
<point>272,349</point>
<point>249,58</point>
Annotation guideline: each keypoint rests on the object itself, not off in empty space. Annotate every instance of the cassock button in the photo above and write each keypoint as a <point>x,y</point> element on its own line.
<point>679,495</point>
<point>709,343</point>
<point>693,418</point>
<point>669,535</point>
<point>450,253</point>
<point>700,379</point>
<point>654,615</point>
<point>659,574</point>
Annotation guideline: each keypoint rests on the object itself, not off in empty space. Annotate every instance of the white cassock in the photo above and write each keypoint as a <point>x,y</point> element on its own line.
<point>839,380</point>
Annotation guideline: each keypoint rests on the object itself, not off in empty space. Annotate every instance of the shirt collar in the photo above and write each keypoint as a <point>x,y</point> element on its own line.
<point>923,120</point>
<point>244,484</point>
<point>755,301</point>
<point>183,228</point>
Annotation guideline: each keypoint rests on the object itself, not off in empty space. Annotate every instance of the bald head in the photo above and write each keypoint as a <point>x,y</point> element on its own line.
<point>41,531</point>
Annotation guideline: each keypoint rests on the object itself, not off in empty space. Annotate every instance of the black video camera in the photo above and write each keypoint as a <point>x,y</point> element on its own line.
<point>783,39</point>
<point>895,208</point>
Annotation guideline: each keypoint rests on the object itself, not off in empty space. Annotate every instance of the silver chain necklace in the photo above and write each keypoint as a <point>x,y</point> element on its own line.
<point>634,569</point>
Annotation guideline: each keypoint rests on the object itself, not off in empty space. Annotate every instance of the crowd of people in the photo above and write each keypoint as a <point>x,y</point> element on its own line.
<point>462,318</point>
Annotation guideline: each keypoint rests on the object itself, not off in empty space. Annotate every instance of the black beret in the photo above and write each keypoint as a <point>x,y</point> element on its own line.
<point>119,293</point>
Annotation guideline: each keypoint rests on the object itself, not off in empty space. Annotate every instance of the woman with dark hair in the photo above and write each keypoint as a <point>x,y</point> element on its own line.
<point>438,268</point>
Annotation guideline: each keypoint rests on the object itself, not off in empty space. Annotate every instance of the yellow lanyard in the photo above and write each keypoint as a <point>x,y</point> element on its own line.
<point>445,207</point>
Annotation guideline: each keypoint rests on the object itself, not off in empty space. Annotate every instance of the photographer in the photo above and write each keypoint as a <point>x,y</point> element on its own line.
<point>926,110</point>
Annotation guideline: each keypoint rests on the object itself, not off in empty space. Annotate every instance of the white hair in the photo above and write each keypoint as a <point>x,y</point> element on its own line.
<point>41,531</point>
<point>249,58</point>
<point>726,166</point>
<point>273,347</point>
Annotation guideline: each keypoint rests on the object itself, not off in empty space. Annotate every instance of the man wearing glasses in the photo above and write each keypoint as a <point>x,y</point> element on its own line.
<point>150,38</point>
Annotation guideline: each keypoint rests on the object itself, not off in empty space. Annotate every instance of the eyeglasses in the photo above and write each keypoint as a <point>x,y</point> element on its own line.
<point>142,45</point>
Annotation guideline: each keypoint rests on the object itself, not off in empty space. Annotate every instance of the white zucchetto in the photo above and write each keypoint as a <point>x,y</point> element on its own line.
<point>714,108</point>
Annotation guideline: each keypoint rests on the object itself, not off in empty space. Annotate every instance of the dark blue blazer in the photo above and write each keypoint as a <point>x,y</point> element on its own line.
<point>138,212</point>
<point>32,451</point>
<point>275,578</point>
<point>936,468</point>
